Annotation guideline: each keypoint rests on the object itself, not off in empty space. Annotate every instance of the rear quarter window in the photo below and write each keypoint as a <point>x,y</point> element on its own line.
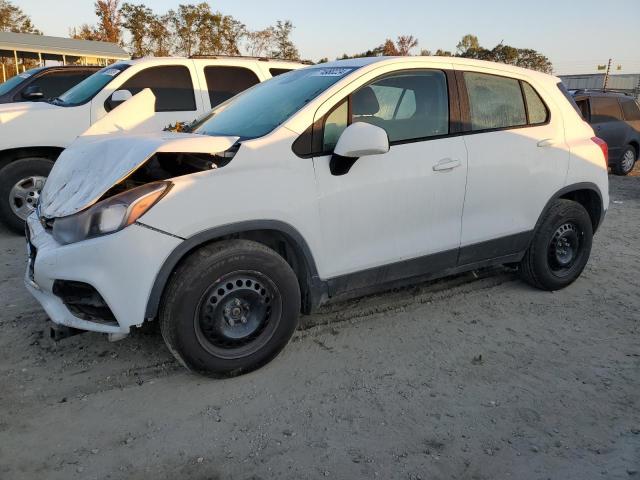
<point>605,109</point>
<point>630,109</point>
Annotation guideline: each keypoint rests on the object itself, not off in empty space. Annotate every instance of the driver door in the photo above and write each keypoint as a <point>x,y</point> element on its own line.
<point>398,214</point>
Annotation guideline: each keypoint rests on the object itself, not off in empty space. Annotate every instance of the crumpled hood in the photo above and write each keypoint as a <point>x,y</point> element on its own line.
<point>91,165</point>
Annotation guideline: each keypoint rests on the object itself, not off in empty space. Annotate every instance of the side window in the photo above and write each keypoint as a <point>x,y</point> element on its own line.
<point>630,109</point>
<point>605,109</point>
<point>535,106</point>
<point>334,124</point>
<point>172,86</point>
<point>226,82</point>
<point>494,102</point>
<point>409,106</point>
<point>278,71</point>
<point>56,83</point>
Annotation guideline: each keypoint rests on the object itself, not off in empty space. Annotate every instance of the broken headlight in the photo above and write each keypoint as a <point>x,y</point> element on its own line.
<point>109,215</point>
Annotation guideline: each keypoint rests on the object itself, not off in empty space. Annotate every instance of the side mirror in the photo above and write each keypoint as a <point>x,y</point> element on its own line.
<point>117,98</point>
<point>361,139</point>
<point>32,92</point>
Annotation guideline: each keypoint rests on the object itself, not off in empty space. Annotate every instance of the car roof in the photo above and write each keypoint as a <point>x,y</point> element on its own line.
<point>456,61</point>
<point>223,59</point>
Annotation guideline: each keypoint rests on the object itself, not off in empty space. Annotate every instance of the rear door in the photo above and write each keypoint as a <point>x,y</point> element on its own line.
<point>518,159</point>
<point>224,82</point>
<point>607,122</point>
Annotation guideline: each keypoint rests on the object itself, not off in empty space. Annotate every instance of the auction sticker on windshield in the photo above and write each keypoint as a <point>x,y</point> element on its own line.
<point>112,72</point>
<point>332,72</point>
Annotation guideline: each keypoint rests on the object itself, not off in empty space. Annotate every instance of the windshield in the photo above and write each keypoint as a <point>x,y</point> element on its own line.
<point>17,80</point>
<point>262,108</point>
<point>90,86</point>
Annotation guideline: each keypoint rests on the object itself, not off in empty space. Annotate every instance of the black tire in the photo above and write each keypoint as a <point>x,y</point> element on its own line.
<point>624,168</point>
<point>239,276</point>
<point>560,247</point>
<point>10,176</point>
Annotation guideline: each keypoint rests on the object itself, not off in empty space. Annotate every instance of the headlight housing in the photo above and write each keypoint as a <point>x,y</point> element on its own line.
<point>109,215</point>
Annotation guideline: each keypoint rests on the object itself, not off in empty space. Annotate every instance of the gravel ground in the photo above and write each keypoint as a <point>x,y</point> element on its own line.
<point>474,377</point>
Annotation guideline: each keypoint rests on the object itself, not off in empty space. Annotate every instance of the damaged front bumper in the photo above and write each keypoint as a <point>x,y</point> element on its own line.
<point>101,284</point>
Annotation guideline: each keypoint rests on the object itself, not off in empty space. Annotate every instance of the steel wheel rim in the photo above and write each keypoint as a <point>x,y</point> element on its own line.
<point>565,249</point>
<point>628,160</point>
<point>238,314</point>
<point>24,195</point>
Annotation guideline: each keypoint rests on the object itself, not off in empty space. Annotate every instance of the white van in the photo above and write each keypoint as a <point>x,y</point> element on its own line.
<point>32,135</point>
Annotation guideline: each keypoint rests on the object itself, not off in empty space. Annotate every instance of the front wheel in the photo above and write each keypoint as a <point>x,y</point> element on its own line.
<point>626,163</point>
<point>20,184</point>
<point>560,247</point>
<point>229,308</point>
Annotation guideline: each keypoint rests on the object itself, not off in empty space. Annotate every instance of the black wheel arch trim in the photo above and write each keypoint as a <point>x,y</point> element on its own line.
<point>574,187</point>
<point>206,236</point>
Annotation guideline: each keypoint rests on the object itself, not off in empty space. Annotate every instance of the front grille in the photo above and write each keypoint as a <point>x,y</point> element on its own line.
<point>84,302</point>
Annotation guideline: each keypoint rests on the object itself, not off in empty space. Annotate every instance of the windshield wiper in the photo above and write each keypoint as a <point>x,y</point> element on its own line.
<point>55,101</point>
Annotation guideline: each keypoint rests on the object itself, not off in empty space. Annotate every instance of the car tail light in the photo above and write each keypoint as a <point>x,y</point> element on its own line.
<point>604,147</point>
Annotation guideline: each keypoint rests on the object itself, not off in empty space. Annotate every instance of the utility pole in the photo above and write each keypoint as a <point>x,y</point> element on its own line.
<point>606,76</point>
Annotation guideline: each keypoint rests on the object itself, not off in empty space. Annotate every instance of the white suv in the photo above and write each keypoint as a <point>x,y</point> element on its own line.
<point>32,135</point>
<point>331,181</point>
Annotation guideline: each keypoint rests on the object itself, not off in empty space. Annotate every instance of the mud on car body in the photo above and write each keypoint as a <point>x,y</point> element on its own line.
<point>321,184</point>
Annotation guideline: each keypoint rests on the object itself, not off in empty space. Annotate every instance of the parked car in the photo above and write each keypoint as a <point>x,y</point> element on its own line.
<point>324,183</point>
<point>42,83</point>
<point>32,135</point>
<point>615,117</point>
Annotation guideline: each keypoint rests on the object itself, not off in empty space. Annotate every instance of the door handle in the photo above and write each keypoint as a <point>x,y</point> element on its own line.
<point>547,142</point>
<point>446,164</point>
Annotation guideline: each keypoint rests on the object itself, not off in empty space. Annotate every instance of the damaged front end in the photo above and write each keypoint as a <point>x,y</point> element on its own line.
<point>101,186</point>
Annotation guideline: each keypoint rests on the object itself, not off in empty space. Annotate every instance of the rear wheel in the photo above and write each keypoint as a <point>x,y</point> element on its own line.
<point>229,308</point>
<point>560,247</point>
<point>627,161</point>
<point>20,185</point>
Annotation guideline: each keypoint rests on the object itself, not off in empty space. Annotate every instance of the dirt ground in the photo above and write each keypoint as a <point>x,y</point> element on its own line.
<point>474,377</point>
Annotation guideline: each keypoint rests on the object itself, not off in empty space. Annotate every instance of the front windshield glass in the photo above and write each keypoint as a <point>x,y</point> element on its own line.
<point>90,86</point>
<point>262,108</point>
<point>17,80</point>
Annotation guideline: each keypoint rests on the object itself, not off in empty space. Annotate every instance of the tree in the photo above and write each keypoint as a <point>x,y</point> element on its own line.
<point>468,43</point>
<point>443,53</point>
<point>161,38</point>
<point>283,47</point>
<point>469,47</point>
<point>405,44</point>
<point>84,32</point>
<point>425,52</point>
<point>389,48</point>
<point>232,32</point>
<point>13,19</point>
<point>528,58</point>
<point>260,42</point>
<point>108,20</point>
<point>138,20</point>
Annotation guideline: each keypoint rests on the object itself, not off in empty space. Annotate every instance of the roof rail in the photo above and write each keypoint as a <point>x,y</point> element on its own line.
<point>260,59</point>
<point>577,91</point>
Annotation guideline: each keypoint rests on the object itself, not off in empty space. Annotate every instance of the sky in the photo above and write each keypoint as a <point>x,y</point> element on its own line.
<point>575,35</point>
